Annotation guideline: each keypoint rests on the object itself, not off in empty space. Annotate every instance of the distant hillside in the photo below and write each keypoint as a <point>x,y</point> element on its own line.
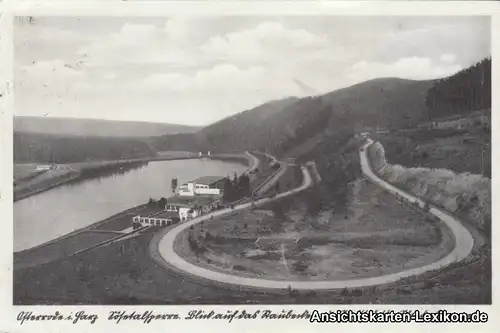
<point>247,129</point>
<point>47,148</point>
<point>94,127</point>
<point>311,126</point>
<point>283,125</point>
<point>386,102</point>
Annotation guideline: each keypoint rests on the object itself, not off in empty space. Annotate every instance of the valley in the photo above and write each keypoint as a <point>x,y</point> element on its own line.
<point>330,225</point>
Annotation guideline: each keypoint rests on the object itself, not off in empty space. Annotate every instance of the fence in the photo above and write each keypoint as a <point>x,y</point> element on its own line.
<point>109,241</point>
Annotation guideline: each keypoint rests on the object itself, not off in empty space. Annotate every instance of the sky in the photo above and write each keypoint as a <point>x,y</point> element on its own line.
<point>197,70</point>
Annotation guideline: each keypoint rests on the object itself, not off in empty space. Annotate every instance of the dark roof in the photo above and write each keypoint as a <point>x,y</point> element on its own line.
<point>151,212</point>
<point>208,180</point>
<point>167,215</point>
<point>191,200</point>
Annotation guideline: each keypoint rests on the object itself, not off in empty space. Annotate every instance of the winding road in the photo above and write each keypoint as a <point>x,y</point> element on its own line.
<point>255,162</point>
<point>268,184</point>
<point>463,245</point>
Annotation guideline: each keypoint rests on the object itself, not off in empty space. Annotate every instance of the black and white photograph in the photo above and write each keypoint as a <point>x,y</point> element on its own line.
<point>252,160</point>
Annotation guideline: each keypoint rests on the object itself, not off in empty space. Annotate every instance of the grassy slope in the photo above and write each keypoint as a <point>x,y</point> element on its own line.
<point>375,236</point>
<point>467,150</point>
<point>459,151</point>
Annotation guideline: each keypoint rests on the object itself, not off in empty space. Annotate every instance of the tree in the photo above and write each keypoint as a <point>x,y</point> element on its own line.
<point>151,202</point>
<point>197,208</point>
<point>228,195</point>
<point>162,203</point>
<point>467,90</point>
<point>244,185</point>
<point>174,184</point>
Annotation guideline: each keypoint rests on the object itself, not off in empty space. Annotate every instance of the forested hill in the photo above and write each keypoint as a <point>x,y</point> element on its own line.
<point>296,126</point>
<point>282,125</point>
<point>292,126</point>
<point>96,127</point>
<point>64,140</point>
<point>233,133</point>
<point>466,91</point>
<point>47,148</point>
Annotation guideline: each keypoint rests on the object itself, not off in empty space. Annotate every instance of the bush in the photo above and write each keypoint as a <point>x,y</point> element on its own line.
<point>239,268</point>
<point>300,266</point>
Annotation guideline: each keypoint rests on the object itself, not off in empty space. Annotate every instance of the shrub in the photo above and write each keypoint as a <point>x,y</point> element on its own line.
<point>239,268</point>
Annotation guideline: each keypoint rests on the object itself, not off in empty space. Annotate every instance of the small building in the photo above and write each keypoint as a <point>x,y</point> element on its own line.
<point>43,167</point>
<point>211,181</point>
<point>211,185</point>
<point>202,156</point>
<point>191,207</point>
<point>161,219</point>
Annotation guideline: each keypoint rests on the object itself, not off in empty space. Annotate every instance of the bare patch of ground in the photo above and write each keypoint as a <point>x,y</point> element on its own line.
<point>378,235</point>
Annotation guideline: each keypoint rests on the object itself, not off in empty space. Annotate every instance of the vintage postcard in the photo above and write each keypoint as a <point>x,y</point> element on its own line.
<point>247,166</point>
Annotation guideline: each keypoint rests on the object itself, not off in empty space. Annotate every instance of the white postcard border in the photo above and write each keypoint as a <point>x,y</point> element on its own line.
<point>9,312</point>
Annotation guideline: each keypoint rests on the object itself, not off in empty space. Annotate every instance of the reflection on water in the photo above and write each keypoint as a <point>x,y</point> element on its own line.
<point>59,211</point>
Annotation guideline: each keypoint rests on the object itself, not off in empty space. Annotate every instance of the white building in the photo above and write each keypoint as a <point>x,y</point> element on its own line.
<point>209,185</point>
<point>190,207</point>
<point>159,219</point>
<point>43,167</point>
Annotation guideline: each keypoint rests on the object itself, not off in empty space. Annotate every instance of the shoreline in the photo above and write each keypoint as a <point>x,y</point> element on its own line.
<point>229,158</point>
<point>99,170</point>
<point>85,229</point>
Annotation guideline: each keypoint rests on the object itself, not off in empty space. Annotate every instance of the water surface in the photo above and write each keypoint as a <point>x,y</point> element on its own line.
<point>61,210</point>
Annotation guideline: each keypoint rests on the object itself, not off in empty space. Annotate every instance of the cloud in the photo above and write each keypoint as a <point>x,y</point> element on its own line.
<point>51,77</point>
<point>448,57</point>
<point>266,43</point>
<point>430,39</point>
<point>408,68</point>
<point>177,30</point>
<point>225,65</point>
<point>128,44</point>
<point>219,80</point>
<point>140,44</point>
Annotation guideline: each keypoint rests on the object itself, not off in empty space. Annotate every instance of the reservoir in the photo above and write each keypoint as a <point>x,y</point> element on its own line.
<point>61,210</point>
